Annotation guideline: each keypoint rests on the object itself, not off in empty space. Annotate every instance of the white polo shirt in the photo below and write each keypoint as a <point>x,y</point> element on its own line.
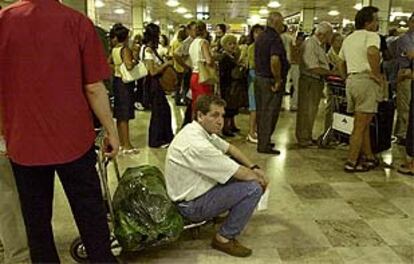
<point>354,50</point>
<point>196,162</point>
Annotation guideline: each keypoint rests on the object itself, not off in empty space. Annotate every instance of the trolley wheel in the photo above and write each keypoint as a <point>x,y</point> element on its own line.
<point>78,251</point>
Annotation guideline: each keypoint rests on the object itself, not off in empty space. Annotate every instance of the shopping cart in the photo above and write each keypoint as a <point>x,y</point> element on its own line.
<point>77,249</point>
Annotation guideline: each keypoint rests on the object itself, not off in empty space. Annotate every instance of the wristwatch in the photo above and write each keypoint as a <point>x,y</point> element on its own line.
<point>254,166</point>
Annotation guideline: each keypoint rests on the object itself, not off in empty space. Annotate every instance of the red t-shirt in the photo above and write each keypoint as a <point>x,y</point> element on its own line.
<point>48,53</point>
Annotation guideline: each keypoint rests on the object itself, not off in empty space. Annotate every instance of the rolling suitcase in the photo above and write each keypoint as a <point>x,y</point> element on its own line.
<point>381,127</point>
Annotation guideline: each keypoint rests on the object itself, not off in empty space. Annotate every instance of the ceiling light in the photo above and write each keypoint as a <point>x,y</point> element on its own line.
<point>358,6</point>
<point>188,16</point>
<point>273,4</point>
<point>333,13</point>
<point>170,27</point>
<point>315,18</point>
<point>157,22</point>
<point>403,23</point>
<point>172,3</point>
<point>264,11</point>
<point>119,11</point>
<point>181,10</point>
<point>254,19</point>
<point>99,4</point>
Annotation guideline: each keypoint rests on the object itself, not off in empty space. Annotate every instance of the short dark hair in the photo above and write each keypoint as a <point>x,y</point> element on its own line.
<point>201,27</point>
<point>365,15</point>
<point>165,39</point>
<point>181,34</point>
<point>222,27</point>
<point>151,34</point>
<point>192,23</point>
<point>204,102</point>
<point>119,31</point>
<point>252,30</point>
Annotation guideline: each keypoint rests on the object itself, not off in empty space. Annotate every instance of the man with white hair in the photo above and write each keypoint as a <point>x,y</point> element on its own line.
<point>313,68</point>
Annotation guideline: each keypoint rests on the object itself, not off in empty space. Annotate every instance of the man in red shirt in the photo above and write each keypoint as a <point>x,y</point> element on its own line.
<point>52,65</point>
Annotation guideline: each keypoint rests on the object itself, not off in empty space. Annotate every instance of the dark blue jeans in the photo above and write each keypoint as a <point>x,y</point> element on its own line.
<point>240,198</point>
<point>82,187</point>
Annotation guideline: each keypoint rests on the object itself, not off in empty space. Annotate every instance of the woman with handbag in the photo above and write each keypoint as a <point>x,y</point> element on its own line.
<point>160,130</point>
<point>123,92</point>
<point>232,79</point>
<point>202,78</point>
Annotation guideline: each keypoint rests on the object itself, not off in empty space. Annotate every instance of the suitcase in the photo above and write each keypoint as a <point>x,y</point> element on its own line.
<point>381,127</point>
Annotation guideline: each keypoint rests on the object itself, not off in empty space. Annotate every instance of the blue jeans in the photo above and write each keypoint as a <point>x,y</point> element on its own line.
<point>238,197</point>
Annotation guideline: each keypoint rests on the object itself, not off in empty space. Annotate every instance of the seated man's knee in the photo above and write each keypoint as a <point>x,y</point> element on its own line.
<point>254,188</point>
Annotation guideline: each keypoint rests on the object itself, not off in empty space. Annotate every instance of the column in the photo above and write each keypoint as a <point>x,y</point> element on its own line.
<point>137,18</point>
<point>306,18</point>
<point>90,10</point>
<point>383,14</point>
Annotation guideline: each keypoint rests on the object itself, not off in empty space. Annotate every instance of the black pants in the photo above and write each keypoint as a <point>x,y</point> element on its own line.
<point>160,130</point>
<point>268,105</point>
<point>410,131</point>
<point>81,183</point>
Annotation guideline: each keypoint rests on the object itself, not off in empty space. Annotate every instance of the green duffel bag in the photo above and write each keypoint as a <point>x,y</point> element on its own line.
<point>144,214</point>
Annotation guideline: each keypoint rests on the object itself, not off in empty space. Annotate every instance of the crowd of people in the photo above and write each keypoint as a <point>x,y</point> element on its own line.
<point>254,72</point>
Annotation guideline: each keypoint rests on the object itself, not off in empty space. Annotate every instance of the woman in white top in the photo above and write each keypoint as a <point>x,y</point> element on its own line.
<point>123,92</point>
<point>160,130</point>
<point>200,53</point>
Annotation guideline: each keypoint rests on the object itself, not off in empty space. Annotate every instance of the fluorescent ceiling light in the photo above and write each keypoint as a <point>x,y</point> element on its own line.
<point>119,11</point>
<point>181,10</point>
<point>172,3</point>
<point>273,4</point>
<point>188,16</point>
<point>403,23</point>
<point>99,4</point>
<point>264,11</point>
<point>315,18</point>
<point>333,13</point>
<point>358,6</point>
<point>170,27</point>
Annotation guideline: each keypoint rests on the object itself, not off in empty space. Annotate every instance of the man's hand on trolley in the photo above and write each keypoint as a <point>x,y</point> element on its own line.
<point>111,145</point>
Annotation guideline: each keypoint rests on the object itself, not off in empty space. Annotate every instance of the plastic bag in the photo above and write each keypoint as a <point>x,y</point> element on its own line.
<point>144,214</point>
<point>264,201</point>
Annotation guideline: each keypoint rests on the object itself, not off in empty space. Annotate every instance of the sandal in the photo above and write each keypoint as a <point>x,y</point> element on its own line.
<point>403,169</point>
<point>352,167</point>
<point>371,163</point>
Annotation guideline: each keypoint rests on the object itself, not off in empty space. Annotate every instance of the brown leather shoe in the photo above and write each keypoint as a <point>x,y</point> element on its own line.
<point>233,247</point>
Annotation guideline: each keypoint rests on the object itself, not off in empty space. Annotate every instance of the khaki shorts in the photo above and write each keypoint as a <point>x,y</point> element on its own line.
<point>362,93</point>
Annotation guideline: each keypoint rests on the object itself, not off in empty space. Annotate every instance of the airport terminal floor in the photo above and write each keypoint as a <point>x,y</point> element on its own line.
<point>316,213</point>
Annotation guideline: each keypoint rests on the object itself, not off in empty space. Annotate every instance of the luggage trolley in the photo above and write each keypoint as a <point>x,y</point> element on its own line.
<point>342,122</point>
<point>77,249</point>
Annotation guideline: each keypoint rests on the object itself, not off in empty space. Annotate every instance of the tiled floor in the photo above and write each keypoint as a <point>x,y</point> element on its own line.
<point>317,213</point>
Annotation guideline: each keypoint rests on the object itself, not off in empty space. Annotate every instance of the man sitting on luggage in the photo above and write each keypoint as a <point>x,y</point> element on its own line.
<point>205,182</point>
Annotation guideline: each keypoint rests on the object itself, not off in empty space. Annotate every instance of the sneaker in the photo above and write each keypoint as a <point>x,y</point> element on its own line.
<point>233,248</point>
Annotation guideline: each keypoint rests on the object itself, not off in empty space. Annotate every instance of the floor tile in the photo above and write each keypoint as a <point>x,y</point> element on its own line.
<point>396,232</point>
<point>393,189</point>
<point>285,233</point>
<point>372,208</point>
<point>315,191</point>
<point>406,253</point>
<point>405,204</point>
<point>369,255</point>
<point>309,255</point>
<point>350,233</point>
<point>354,190</point>
<point>326,209</point>
<point>337,176</point>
